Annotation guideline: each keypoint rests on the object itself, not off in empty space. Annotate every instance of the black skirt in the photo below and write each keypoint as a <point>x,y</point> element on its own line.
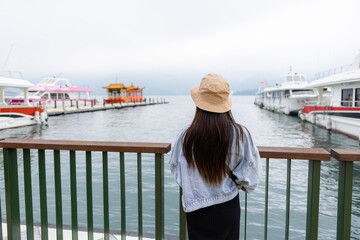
<point>218,222</point>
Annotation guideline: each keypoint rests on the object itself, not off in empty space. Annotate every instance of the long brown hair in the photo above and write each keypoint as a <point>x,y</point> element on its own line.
<point>208,141</point>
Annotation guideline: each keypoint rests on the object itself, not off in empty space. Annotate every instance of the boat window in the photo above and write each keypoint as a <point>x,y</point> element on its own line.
<point>302,92</point>
<point>66,96</point>
<point>357,97</point>
<point>296,78</point>
<point>289,78</point>
<point>53,96</point>
<point>45,96</point>
<point>286,93</point>
<point>347,97</point>
<point>61,96</point>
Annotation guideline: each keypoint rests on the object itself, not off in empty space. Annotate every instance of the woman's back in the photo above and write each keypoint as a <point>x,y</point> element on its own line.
<point>211,160</point>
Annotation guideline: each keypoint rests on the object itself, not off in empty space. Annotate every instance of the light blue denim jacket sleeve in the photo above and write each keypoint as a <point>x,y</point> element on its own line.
<point>197,193</point>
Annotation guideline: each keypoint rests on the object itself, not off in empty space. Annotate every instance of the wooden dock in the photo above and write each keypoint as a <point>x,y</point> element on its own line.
<point>61,110</point>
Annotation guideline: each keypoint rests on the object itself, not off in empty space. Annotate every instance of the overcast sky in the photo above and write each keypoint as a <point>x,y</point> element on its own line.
<point>168,46</point>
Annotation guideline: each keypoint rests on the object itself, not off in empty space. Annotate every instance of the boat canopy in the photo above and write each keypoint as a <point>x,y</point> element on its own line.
<point>14,83</point>
<point>59,89</point>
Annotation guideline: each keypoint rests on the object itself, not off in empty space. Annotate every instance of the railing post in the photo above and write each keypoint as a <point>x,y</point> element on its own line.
<point>123,197</point>
<point>58,195</point>
<point>288,183</point>
<point>106,195</point>
<point>312,218</point>
<point>140,212</point>
<point>73,196</point>
<point>182,219</point>
<point>344,200</point>
<point>346,158</point>
<point>159,196</point>
<point>28,195</point>
<point>266,198</point>
<point>43,197</point>
<point>89,196</point>
<point>12,193</point>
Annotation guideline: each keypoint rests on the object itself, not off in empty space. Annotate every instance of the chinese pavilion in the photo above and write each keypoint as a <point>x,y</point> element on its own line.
<point>119,92</point>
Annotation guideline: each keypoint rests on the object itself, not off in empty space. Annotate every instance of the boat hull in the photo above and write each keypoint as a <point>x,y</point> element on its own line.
<point>345,120</point>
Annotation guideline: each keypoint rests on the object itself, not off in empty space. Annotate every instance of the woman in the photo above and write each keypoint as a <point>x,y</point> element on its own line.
<point>211,160</point>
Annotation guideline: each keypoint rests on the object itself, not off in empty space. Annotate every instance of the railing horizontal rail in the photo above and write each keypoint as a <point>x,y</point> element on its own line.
<point>294,153</point>
<point>86,145</point>
<point>352,155</point>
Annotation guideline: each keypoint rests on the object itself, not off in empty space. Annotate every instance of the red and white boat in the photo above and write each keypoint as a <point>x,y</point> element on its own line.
<point>20,114</point>
<point>338,106</point>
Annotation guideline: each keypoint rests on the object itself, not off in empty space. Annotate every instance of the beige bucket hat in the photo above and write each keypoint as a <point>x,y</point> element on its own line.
<point>212,94</point>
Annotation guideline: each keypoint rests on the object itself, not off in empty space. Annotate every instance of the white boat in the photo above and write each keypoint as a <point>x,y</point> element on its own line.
<point>288,97</point>
<point>55,91</point>
<point>340,112</point>
<point>21,114</point>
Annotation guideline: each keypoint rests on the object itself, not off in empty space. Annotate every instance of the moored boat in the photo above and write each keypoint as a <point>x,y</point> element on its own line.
<point>52,91</point>
<point>23,113</point>
<point>340,112</point>
<point>288,97</point>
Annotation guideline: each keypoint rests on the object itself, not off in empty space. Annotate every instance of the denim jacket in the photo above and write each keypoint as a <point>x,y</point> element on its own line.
<point>197,193</point>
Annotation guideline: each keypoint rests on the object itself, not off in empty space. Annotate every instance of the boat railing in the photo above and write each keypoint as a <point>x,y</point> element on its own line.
<point>331,72</point>
<point>49,157</point>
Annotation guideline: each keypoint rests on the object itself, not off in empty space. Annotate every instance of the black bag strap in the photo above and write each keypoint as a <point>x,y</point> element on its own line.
<point>230,173</point>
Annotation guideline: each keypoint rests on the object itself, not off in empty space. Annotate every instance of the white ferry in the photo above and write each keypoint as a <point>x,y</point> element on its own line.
<point>340,112</point>
<point>288,97</point>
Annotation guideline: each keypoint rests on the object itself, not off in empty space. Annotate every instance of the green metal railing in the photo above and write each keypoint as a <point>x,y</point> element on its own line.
<point>314,157</point>
<point>10,147</point>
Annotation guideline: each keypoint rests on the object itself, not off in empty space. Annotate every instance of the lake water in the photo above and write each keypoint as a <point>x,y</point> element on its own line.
<point>162,123</point>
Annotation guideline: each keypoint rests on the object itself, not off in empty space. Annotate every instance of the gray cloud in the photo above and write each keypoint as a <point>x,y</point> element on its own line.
<point>170,45</point>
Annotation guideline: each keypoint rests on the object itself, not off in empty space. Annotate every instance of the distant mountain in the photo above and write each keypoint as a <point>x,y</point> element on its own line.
<point>245,92</point>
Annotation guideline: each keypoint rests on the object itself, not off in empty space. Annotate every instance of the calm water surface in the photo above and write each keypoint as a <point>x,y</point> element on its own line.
<point>162,123</point>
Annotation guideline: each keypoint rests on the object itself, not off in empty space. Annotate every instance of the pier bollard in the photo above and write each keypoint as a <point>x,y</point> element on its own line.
<point>92,104</point>
<point>85,103</point>
<point>112,103</point>
<point>104,102</point>
<point>77,104</point>
<point>55,103</point>
<point>71,105</point>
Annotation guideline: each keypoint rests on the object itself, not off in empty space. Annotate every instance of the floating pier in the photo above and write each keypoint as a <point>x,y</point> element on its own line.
<point>61,110</point>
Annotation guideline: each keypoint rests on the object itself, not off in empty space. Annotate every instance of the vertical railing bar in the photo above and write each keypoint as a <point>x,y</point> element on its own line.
<point>288,182</point>
<point>245,221</point>
<point>312,218</point>
<point>74,220</point>
<point>266,198</point>
<point>344,200</point>
<point>106,195</point>
<point>28,195</point>
<point>140,213</point>
<point>159,196</point>
<point>182,219</point>
<point>12,193</point>
<point>43,197</point>
<point>123,196</point>
<point>89,196</point>
<point>58,195</point>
